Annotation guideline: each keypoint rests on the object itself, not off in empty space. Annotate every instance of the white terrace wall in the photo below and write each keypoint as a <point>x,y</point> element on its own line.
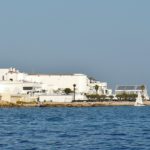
<point>60,98</point>
<point>16,87</point>
<point>62,81</point>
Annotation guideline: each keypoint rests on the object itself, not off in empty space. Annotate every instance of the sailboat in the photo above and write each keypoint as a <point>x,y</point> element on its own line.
<point>139,100</point>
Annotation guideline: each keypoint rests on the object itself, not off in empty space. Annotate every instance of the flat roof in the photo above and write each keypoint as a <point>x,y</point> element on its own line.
<point>128,87</point>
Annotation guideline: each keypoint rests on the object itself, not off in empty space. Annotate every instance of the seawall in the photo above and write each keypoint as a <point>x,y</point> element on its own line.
<point>74,104</point>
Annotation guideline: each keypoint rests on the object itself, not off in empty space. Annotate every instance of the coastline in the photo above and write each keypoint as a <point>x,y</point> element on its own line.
<point>4,104</point>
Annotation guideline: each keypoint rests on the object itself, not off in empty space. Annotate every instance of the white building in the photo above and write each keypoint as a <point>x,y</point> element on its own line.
<point>53,83</point>
<point>19,87</point>
<point>102,88</point>
<point>134,89</point>
<point>13,81</point>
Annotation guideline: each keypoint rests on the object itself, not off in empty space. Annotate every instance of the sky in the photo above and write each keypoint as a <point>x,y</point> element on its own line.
<point>108,40</point>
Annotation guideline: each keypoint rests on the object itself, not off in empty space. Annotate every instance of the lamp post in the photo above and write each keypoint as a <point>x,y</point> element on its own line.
<point>74,92</point>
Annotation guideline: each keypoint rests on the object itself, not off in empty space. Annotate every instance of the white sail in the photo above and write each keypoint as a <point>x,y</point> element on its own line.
<point>139,100</point>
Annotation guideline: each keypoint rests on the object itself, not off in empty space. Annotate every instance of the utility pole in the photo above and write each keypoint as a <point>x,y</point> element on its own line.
<point>74,92</point>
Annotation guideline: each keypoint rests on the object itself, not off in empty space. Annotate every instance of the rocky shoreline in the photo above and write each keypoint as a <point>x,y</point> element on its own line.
<point>74,104</point>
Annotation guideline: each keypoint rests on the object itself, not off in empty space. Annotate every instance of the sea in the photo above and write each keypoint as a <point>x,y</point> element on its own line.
<point>85,128</point>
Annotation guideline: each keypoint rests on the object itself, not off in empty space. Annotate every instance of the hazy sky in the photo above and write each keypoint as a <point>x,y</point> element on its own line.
<point>106,39</point>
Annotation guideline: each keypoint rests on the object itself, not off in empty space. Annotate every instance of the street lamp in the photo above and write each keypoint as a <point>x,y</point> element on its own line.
<point>74,90</point>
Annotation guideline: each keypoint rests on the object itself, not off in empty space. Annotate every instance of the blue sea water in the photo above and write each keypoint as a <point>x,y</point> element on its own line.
<point>93,128</point>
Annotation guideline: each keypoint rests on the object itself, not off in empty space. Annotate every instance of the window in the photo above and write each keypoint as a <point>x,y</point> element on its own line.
<point>28,88</point>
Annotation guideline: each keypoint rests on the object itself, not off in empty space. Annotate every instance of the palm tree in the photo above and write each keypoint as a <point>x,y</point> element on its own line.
<point>96,88</point>
<point>142,88</point>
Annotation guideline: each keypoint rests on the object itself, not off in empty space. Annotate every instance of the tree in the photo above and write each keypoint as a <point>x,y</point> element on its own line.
<point>111,97</point>
<point>126,96</point>
<point>120,96</point>
<point>142,88</point>
<point>103,97</point>
<point>96,97</point>
<point>133,97</point>
<point>67,91</point>
<point>96,88</point>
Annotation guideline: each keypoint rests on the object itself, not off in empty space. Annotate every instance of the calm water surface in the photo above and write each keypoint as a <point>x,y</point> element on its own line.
<point>104,128</point>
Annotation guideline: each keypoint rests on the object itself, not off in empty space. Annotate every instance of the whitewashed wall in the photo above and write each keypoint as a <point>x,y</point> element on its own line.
<point>55,98</point>
<point>52,83</point>
<point>60,98</point>
<point>13,87</point>
<point>62,81</point>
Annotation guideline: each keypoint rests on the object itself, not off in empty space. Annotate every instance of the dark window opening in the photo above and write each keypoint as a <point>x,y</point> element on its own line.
<point>27,88</point>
